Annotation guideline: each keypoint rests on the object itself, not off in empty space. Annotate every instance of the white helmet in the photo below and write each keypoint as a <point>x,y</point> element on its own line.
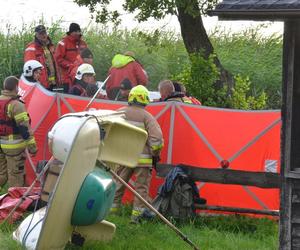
<point>30,66</point>
<point>84,68</point>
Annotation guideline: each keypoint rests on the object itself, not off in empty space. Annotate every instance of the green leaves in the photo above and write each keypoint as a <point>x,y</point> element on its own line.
<point>241,97</point>
<point>199,77</point>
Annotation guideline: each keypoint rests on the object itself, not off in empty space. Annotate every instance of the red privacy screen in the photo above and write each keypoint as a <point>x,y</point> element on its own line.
<point>194,135</point>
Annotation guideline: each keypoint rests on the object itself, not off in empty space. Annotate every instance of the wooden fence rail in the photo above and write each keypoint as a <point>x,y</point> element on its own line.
<point>225,176</point>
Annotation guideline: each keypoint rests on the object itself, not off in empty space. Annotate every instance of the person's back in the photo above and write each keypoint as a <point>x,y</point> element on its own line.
<point>136,114</point>
<point>141,118</point>
<point>15,135</point>
<point>124,66</point>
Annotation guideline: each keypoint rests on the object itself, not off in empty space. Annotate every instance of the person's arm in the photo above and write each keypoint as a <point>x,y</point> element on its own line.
<point>30,53</point>
<point>59,55</point>
<point>141,74</point>
<point>155,137</point>
<point>22,119</point>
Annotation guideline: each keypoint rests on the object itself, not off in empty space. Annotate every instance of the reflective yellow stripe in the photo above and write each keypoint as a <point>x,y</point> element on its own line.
<point>22,117</point>
<point>157,147</point>
<point>31,141</point>
<point>51,78</point>
<point>14,146</point>
<point>18,145</point>
<point>136,212</point>
<point>9,110</point>
<point>187,101</point>
<point>145,161</point>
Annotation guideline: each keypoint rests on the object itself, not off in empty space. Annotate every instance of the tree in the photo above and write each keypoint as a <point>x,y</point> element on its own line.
<point>188,12</point>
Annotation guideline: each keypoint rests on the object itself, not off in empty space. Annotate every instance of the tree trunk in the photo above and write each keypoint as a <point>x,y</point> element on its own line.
<point>196,40</point>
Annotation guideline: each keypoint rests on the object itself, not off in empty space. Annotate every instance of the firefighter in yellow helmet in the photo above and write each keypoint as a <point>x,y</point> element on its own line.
<point>15,135</point>
<point>136,114</point>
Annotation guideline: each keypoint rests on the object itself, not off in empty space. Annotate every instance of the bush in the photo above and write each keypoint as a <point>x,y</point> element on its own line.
<point>241,97</point>
<point>199,77</point>
<point>249,53</point>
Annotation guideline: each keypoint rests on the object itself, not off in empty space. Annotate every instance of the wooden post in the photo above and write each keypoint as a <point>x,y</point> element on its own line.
<point>290,139</point>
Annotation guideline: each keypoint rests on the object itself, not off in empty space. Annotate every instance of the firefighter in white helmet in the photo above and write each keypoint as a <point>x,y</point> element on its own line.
<point>85,75</point>
<point>32,70</point>
<point>136,114</point>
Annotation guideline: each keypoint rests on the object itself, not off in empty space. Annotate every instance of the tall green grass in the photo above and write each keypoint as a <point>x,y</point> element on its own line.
<point>250,53</point>
<point>209,233</point>
<point>163,54</point>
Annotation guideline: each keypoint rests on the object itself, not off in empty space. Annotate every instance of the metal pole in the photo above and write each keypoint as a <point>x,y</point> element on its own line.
<point>30,161</point>
<point>147,204</point>
<point>38,177</point>
<point>95,95</point>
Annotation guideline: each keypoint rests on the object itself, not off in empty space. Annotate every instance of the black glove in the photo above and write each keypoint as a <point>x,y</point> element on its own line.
<point>155,160</point>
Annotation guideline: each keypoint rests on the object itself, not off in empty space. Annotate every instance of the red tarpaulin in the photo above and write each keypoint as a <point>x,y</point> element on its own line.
<point>194,135</point>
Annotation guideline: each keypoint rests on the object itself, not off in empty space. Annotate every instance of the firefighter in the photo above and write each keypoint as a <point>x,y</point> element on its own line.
<point>181,90</point>
<point>32,71</point>
<point>67,51</point>
<point>124,66</point>
<point>85,75</point>
<point>42,50</point>
<point>15,134</point>
<point>167,92</point>
<point>85,56</point>
<point>136,114</point>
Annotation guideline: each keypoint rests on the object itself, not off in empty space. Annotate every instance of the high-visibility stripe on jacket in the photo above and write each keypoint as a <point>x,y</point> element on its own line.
<point>44,55</point>
<point>179,97</point>
<point>138,116</point>
<point>17,112</point>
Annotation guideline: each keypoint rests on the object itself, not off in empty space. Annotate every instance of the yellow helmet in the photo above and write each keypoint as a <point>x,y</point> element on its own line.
<point>139,95</point>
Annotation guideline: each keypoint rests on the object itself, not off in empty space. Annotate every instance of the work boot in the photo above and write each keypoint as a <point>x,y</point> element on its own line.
<point>136,216</point>
<point>148,214</point>
<point>115,209</point>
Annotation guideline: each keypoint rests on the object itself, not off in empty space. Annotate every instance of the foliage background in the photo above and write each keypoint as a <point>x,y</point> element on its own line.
<point>249,55</point>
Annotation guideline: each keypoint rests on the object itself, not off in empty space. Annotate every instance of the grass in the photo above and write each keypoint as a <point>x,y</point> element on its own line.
<point>212,233</point>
